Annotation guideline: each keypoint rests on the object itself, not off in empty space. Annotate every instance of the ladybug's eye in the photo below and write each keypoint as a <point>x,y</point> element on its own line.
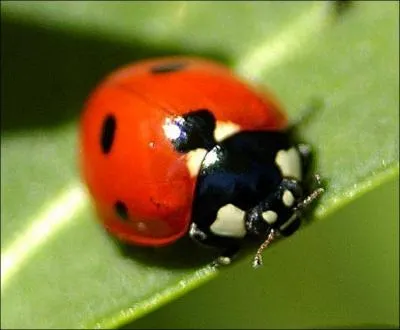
<point>121,209</point>
<point>168,67</point>
<point>108,133</point>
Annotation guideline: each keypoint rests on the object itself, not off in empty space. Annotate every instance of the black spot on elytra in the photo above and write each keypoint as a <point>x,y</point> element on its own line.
<point>168,67</point>
<point>108,133</point>
<point>121,210</point>
<point>196,130</point>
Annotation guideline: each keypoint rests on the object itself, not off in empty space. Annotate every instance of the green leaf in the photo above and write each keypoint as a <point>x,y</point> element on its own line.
<point>59,269</point>
<point>342,273</point>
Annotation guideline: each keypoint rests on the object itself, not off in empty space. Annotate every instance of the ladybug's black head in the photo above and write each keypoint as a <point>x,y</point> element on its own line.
<point>277,211</point>
<point>280,214</point>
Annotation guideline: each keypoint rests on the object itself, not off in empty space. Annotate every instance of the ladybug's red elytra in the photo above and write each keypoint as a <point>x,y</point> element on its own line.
<point>180,145</point>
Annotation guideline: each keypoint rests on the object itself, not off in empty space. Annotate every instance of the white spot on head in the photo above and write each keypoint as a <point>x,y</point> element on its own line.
<point>229,222</point>
<point>270,216</point>
<point>225,129</point>
<point>287,198</point>
<point>194,159</point>
<point>289,163</point>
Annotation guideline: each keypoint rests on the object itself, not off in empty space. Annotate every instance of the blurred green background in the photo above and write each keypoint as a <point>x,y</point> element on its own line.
<point>59,269</point>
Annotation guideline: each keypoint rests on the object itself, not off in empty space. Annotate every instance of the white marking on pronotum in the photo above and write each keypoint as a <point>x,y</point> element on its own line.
<point>211,157</point>
<point>289,163</point>
<point>194,159</point>
<point>287,198</point>
<point>229,222</point>
<point>225,129</point>
<point>284,45</point>
<point>270,216</point>
<point>46,224</point>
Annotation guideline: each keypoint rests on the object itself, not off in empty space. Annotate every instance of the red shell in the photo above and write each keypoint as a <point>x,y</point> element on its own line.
<point>143,170</point>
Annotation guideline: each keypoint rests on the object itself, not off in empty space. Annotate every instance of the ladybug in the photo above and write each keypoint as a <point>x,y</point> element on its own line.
<point>180,145</point>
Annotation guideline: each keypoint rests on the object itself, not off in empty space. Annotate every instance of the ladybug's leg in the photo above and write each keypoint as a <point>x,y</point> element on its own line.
<point>305,153</point>
<point>197,235</point>
<point>307,114</point>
